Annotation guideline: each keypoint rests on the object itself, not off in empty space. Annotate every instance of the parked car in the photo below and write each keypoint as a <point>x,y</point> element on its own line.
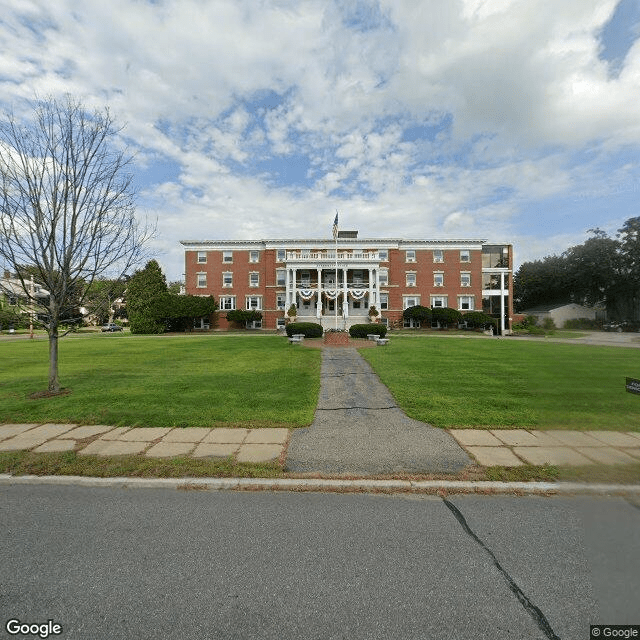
<point>623,325</point>
<point>111,327</point>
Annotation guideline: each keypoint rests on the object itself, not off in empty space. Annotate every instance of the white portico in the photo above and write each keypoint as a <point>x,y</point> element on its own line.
<point>325,284</point>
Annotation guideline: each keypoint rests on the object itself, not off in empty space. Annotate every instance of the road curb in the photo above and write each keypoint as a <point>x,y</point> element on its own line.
<point>332,485</point>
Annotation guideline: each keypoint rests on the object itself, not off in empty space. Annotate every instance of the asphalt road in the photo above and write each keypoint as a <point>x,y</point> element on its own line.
<point>158,563</point>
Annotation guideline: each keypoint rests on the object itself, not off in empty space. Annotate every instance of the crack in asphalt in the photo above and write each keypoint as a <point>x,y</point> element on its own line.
<point>535,613</point>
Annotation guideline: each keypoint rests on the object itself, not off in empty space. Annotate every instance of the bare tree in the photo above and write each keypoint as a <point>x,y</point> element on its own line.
<point>67,207</point>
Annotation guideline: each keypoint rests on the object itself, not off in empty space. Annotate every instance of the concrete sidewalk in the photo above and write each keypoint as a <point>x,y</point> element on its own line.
<point>244,445</point>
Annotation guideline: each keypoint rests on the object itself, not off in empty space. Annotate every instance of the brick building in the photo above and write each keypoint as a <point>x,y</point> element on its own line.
<point>390,274</point>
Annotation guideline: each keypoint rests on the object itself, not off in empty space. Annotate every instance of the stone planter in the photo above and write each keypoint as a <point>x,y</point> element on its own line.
<point>336,338</point>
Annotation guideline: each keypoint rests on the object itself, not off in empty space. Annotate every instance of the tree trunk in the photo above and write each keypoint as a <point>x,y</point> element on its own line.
<point>54,382</point>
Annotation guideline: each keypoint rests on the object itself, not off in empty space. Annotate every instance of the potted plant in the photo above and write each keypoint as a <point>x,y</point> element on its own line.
<point>373,313</point>
<point>292,313</point>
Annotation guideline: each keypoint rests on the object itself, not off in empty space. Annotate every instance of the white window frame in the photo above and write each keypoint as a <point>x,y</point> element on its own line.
<point>438,278</point>
<point>383,277</point>
<point>411,279</point>
<point>281,323</point>
<point>254,279</point>
<point>438,255</point>
<point>201,280</point>
<point>202,257</point>
<point>281,301</point>
<point>410,301</point>
<point>254,256</point>
<point>281,255</point>
<point>227,257</point>
<point>410,255</point>
<point>384,301</point>
<point>383,255</point>
<point>249,303</point>
<point>281,277</point>
<point>227,303</point>
<point>465,279</point>
<point>470,301</point>
<point>465,255</point>
<point>227,285</point>
<point>439,302</point>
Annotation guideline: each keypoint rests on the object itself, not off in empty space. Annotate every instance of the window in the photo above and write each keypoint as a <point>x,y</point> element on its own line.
<point>383,255</point>
<point>384,301</point>
<point>465,303</point>
<point>281,277</point>
<point>227,279</point>
<point>281,300</point>
<point>254,303</point>
<point>410,301</point>
<point>281,323</point>
<point>305,279</point>
<point>410,256</point>
<point>202,257</point>
<point>465,279</point>
<point>465,255</point>
<point>438,255</point>
<point>254,256</point>
<point>383,277</point>
<point>438,279</point>
<point>357,277</point>
<point>439,301</point>
<point>227,256</point>
<point>411,279</point>
<point>201,280</point>
<point>281,255</point>
<point>227,303</point>
<point>254,279</point>
<point>410,323</point>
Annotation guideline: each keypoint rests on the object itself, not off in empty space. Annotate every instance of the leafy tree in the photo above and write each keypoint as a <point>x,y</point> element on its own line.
<point>146,299</point>
<point>100,296</point>
<point>66,206</point>
<point>541,282</point>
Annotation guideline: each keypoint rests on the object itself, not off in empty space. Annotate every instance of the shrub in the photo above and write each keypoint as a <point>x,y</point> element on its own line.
<point>241,317</point>
<point>309,329</point>
<point>582,323</point>
<point>478,319</point>
<point>419,313</point>
<point>445,316</point>
<point>363,330</point>
<point>548,324</point>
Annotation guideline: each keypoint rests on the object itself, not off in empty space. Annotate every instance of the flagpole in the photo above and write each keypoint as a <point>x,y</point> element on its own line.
<point>335,237</point>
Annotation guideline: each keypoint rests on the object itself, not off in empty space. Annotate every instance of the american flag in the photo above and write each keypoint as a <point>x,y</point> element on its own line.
<point>335,227</point>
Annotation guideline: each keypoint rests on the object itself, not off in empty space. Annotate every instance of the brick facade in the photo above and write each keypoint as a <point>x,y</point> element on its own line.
<point>391,274</point>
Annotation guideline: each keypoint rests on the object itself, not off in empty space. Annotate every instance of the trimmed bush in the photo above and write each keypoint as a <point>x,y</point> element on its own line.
<point>309,329</point>
<point>363,330</point>
<point>478,319</point>
<point>445,316</point>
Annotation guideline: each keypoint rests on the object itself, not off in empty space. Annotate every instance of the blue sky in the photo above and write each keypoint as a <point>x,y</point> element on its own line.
<point>510,120</point>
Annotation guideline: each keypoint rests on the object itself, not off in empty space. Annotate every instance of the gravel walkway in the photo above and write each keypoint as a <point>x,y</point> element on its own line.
<point>359,429</point>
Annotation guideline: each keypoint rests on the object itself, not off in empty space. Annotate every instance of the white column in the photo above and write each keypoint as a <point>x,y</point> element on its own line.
<point>294,289</point>
<point>502,303</point>
<point>372,297</point>
<point>319,294</point>
<point>287,288</point>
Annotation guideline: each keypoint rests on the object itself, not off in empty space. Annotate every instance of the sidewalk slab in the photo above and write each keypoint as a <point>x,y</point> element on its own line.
<point>615,438</point>
<point>523,438</point>
<point>215,450</point>
<point>79,433</point>
<point>34,437</point>
<point>575,438</point>
<point>495,456</point>
<point>144,434</point>
<point>606,455</point>
<point>190,434</point>
<point>115,434</point>
<point>267,436</point>
<point>259,453</point>
<point>633,451</point>
<point>226,436</point>
<point>53,446</point>
<point>115,448</point>
<point>475,437</point>
<point>10,430</point>
<point>170,449</point>
<point>551,455</point>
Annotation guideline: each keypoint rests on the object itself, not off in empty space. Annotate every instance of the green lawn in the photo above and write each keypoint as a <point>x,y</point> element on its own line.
<point>129,380</point>
<point>502,383</point>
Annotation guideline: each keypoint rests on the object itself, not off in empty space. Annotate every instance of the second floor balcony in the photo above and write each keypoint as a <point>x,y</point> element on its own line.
<point>324,256</point>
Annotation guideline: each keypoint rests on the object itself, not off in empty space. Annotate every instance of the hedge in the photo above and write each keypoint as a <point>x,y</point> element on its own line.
<point>363,330</point>
<point>310,329</point>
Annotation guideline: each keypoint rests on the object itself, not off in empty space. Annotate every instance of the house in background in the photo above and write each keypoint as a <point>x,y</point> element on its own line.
<point>560,313</point>
<point>14,299</point>
<point>335,282</point>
